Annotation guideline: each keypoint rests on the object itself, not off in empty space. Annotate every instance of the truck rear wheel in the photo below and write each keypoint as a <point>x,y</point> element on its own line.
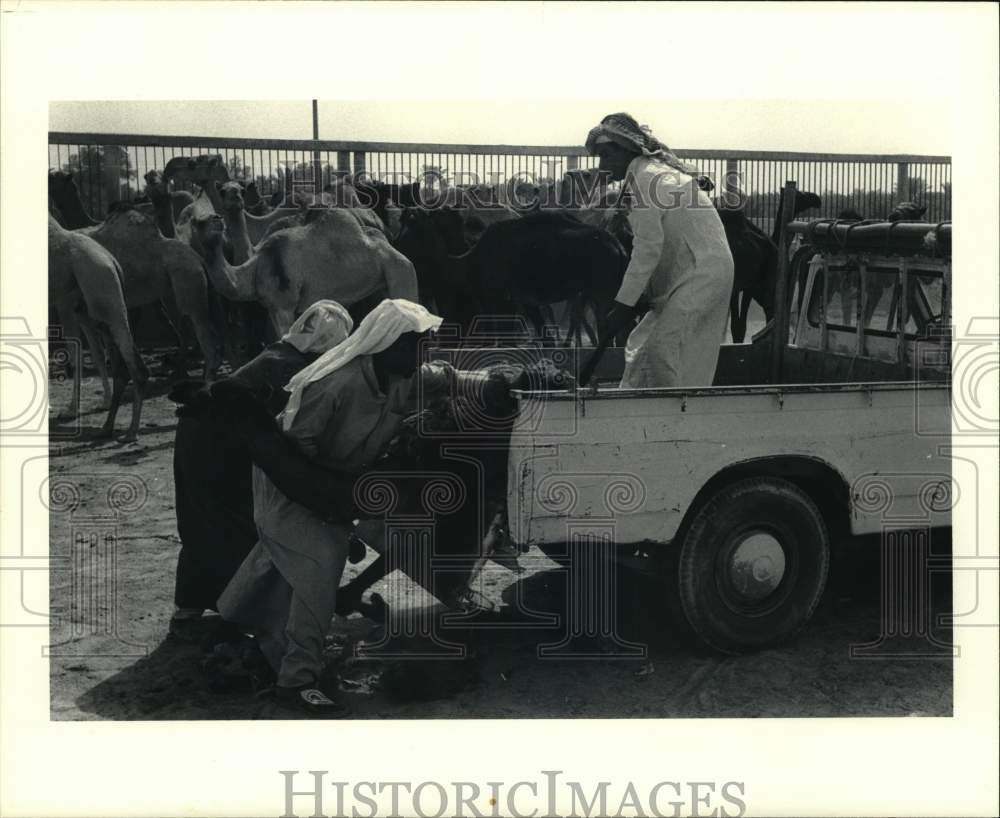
<point>753,565</point>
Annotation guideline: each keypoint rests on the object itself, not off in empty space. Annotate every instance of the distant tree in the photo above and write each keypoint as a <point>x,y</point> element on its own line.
<point>103,174</point>
<point>235,167</point>
<point>916,187</point>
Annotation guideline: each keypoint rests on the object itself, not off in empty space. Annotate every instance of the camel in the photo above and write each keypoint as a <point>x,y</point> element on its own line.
<point>339,194</point>
<point>65,195</point>
<point>154,266</point>
<point>755,262</point>
<point>804,200</point>
<point>331,256</point>
<point>72,215</point>
<point>210,201</point>
<point>85,286</point>
<point>197,169</point>
<point>162,204</point>
<point>233,212</point>
<point>254,202</point>
<point>756,259</point>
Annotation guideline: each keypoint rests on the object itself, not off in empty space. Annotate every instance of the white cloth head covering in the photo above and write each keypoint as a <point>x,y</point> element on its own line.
<point>379,329</point>
<point>322,326</point>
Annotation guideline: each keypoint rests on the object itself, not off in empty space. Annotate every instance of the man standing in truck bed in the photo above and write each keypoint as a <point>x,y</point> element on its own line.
<point>680,260</point>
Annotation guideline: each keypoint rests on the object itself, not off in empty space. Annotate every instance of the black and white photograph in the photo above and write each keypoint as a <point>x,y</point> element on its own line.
<point>649,408</point>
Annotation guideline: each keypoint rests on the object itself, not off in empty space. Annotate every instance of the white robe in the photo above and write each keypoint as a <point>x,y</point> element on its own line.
<point>286,588</point>
<point>681,260</point>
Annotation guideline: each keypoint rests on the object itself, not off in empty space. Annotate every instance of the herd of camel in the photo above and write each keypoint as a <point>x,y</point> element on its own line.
<point>176,252</point>
<point>173,251</point>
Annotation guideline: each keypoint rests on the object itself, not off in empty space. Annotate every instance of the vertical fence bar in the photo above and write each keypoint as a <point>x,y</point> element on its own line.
<point>902,182</point>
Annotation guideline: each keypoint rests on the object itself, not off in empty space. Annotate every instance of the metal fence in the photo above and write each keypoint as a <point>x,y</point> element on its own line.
<point>111,167</point>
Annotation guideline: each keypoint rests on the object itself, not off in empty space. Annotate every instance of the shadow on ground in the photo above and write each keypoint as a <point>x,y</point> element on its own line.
<point>526,661</point>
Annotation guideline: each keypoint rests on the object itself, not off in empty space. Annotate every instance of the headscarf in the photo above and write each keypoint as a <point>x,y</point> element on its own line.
<point>622,129</point>
<point>328,325</point>
<point>378,331</point>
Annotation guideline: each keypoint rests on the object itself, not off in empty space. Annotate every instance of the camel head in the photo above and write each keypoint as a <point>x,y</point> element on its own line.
<point>198,169</point>
<point>522,194</point>
<point>232,196</point>
<point>209,229</point>
<point>705,183</point>
<point>251,195</point>
<point>581,186</point>
<point>907,212</point>
<point>62,184</point>
<point>804,200</point>
<point>156,186</point>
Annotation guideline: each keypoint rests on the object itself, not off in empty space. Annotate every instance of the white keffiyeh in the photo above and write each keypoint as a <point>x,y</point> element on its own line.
<point>379,329</point>
<point>322,326</point>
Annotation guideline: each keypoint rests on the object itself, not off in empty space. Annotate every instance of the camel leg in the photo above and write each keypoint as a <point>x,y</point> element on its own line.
<point>127,361</point>
<point>97,353</point>
<point>541,316</point>
<point>573,309</point>
<point>744,309</point>
<point>734,317</point>
<point>71,330</point>
<point>586,326</point>
<point>108,429</point>
<point>172,322</point>
<point>191,295</point>
<point>550,320</point>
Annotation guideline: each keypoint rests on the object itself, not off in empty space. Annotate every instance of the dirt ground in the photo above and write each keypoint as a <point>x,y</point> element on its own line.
<point>113,520</point>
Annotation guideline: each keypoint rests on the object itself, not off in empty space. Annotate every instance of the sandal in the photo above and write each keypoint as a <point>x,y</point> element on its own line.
<point>469,600</point>
<point>310,699</point>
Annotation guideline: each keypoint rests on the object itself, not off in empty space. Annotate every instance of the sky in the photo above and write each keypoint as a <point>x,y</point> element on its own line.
<point>824,125</point>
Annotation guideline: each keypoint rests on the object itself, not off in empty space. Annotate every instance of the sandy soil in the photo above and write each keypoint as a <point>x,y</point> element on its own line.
<point>113,519</point>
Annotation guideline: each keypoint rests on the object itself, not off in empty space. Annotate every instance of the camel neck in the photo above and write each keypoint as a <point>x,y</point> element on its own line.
<point>212,192</point>
<point>164,212</point>
<point>233,282</point>
<point>236,225</point>
<point>776,230</point>
<point>215,256</point>
<point>73,213</point>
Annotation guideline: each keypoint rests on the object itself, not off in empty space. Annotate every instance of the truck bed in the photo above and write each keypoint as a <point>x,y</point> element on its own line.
<point>633,461</point>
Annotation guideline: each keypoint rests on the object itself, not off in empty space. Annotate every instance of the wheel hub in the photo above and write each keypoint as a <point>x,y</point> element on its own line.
<point>756,566</point>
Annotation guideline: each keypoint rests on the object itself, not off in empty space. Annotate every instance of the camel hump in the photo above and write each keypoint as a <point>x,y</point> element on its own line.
<point>273,251</point>
<point>135,222</point>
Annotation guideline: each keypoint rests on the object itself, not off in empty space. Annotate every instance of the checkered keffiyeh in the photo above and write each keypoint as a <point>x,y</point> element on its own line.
<point>624,130</point>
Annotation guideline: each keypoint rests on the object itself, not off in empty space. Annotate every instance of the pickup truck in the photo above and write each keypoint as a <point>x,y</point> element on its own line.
<point>736,491</point>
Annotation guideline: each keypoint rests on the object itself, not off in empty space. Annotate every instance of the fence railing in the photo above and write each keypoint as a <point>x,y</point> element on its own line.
<point>111,167</point>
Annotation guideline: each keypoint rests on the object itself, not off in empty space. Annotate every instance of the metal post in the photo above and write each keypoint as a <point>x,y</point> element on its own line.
<point>317,160</point>
<point>779,337</point>
<point>862,308</point>
<point>902,182</point>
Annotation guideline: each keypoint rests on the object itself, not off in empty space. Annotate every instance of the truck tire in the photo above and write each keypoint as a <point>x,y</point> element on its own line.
<point>753,565</point>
